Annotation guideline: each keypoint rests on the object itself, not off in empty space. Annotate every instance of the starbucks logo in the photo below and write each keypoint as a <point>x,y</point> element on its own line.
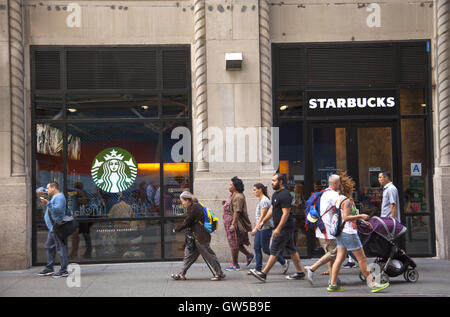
<point>114,170</point>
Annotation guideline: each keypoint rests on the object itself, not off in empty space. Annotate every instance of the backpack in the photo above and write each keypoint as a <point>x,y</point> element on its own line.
<point>336,221</point>
<point>209,220</point>
<point>313,218</point>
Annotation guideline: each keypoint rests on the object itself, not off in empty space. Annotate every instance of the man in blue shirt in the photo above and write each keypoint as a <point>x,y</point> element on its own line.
<point>56,207</point>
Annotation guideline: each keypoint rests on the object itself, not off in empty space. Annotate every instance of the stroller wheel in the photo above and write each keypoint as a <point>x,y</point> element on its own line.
<point>384,278</point>
<point>411,275</point>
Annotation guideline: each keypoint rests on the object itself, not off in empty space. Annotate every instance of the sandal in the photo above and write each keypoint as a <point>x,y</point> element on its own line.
<point>178,277</point>
<point>218,277</point>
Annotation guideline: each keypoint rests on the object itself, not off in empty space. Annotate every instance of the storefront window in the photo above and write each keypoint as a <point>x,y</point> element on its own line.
<point>329,154</point>
<point>90,198</point>
<point>289,104</point>
<point>416,192</point>
<point>292,164</point>
<point>109,145</point>
<point>175,106</point>
<point>111,106</point>
<point>412,101</point>
<point>48,107</point>
<point>173,242</point>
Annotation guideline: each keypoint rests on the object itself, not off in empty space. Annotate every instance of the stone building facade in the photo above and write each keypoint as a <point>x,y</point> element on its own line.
<point>220,98</point>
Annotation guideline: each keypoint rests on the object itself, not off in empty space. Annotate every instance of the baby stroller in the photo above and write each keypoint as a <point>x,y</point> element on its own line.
<point>378,236</point>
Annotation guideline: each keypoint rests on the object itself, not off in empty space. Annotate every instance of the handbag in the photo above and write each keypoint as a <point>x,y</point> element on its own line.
<point>64,228</point>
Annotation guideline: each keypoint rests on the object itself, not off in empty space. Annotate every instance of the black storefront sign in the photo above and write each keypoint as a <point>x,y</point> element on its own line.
<point>350,103</point>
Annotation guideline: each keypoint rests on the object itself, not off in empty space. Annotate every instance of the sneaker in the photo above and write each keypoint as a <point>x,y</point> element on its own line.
<point>379,287</point>
<point>296,276</point>
<point>61,274</point>
<point>285,267</point>
<point>250,259</point>
<point>338,281</point>
<point>335,288</point>
<point>349,265</point>
<point>309,275</point>
<point>233,267</point>
<point>46,272</point>
<point>259,275</point>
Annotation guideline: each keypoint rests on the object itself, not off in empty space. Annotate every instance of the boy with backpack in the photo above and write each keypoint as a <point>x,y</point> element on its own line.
<point>323,202</point>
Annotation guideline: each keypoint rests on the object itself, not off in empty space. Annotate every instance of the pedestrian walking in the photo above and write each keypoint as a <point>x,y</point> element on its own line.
<point>327,241</point>
<point>390,204</point>
<point>348,239</point>
<point>55,212</point>
<point>283,235</point>
<point>262,237</point>
<point>237,224</point>
<point>197,239</point>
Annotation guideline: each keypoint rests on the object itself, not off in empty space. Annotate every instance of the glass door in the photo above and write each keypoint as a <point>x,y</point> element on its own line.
<point>361,149</point>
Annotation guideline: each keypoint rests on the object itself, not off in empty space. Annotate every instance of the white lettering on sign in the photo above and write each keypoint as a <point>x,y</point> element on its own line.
<point>342,103</point>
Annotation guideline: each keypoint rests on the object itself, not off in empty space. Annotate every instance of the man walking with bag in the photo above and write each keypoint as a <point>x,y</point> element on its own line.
<point>56,210</point>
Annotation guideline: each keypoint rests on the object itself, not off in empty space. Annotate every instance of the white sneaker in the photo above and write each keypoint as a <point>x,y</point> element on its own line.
<point>309,275</point>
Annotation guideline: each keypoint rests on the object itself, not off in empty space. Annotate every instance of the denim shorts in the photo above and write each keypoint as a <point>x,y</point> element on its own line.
<point>350,242</point>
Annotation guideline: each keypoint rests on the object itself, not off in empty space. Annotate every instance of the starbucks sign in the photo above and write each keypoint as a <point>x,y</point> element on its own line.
<point>114,170</point>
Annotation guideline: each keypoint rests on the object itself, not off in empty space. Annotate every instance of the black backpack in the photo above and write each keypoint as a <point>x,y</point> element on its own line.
<point>336,221</point>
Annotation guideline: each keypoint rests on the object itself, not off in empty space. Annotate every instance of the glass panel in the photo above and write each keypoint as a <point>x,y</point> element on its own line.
<point>418,236</point>
<point>173,242</point>
<point>300,236</point>
<point>116,240</point>
<point>292,152</point>
<point>176,106</point>
<point>412,101</point>
<point>374,155</point>
<point>49,168</point>
<point>48,107</point>
<point>176,166</point>
<point>329,154</point>
<point>111,106</point>
<point>415,167</point>
<point>176,180</point>
<point>117,171</point>
<point>289,104</point>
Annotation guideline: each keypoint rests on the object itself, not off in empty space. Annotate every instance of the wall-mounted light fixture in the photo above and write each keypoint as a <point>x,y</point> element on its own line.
<point>233,61</point>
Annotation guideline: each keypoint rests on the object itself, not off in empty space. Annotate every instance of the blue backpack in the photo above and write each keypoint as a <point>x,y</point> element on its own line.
<point>209,220</point>
<point>313,219</point>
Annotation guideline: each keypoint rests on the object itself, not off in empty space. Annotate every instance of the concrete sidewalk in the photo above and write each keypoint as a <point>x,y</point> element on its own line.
<point>153,279</point>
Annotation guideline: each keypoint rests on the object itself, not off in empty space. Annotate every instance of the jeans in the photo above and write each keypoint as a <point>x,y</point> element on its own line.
<point>53,245</point>
<point>262,243</point>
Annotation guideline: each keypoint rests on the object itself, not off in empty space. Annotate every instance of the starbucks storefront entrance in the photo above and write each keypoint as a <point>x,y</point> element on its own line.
<point>361,108</point>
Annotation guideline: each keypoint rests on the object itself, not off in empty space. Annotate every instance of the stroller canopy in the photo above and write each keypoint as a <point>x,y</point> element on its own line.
<point>388,227</point>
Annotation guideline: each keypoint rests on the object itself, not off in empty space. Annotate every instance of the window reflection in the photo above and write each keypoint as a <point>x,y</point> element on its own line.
<point>289,104</point>
<point>141,199</point>
<point>175,106</point>
<point>111,106</point>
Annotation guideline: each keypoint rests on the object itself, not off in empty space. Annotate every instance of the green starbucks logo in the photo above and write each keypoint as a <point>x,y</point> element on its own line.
<point>114,170</point>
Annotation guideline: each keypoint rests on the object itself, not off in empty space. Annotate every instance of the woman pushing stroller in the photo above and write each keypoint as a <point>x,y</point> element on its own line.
<point>348,239</point>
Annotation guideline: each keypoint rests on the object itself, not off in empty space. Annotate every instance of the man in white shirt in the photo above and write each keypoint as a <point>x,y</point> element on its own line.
<point>327,241</point>
<point>390,205</point>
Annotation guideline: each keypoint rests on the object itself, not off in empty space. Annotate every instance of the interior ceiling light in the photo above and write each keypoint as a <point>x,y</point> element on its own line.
<point>72,110</point>
<point>283,107</point>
